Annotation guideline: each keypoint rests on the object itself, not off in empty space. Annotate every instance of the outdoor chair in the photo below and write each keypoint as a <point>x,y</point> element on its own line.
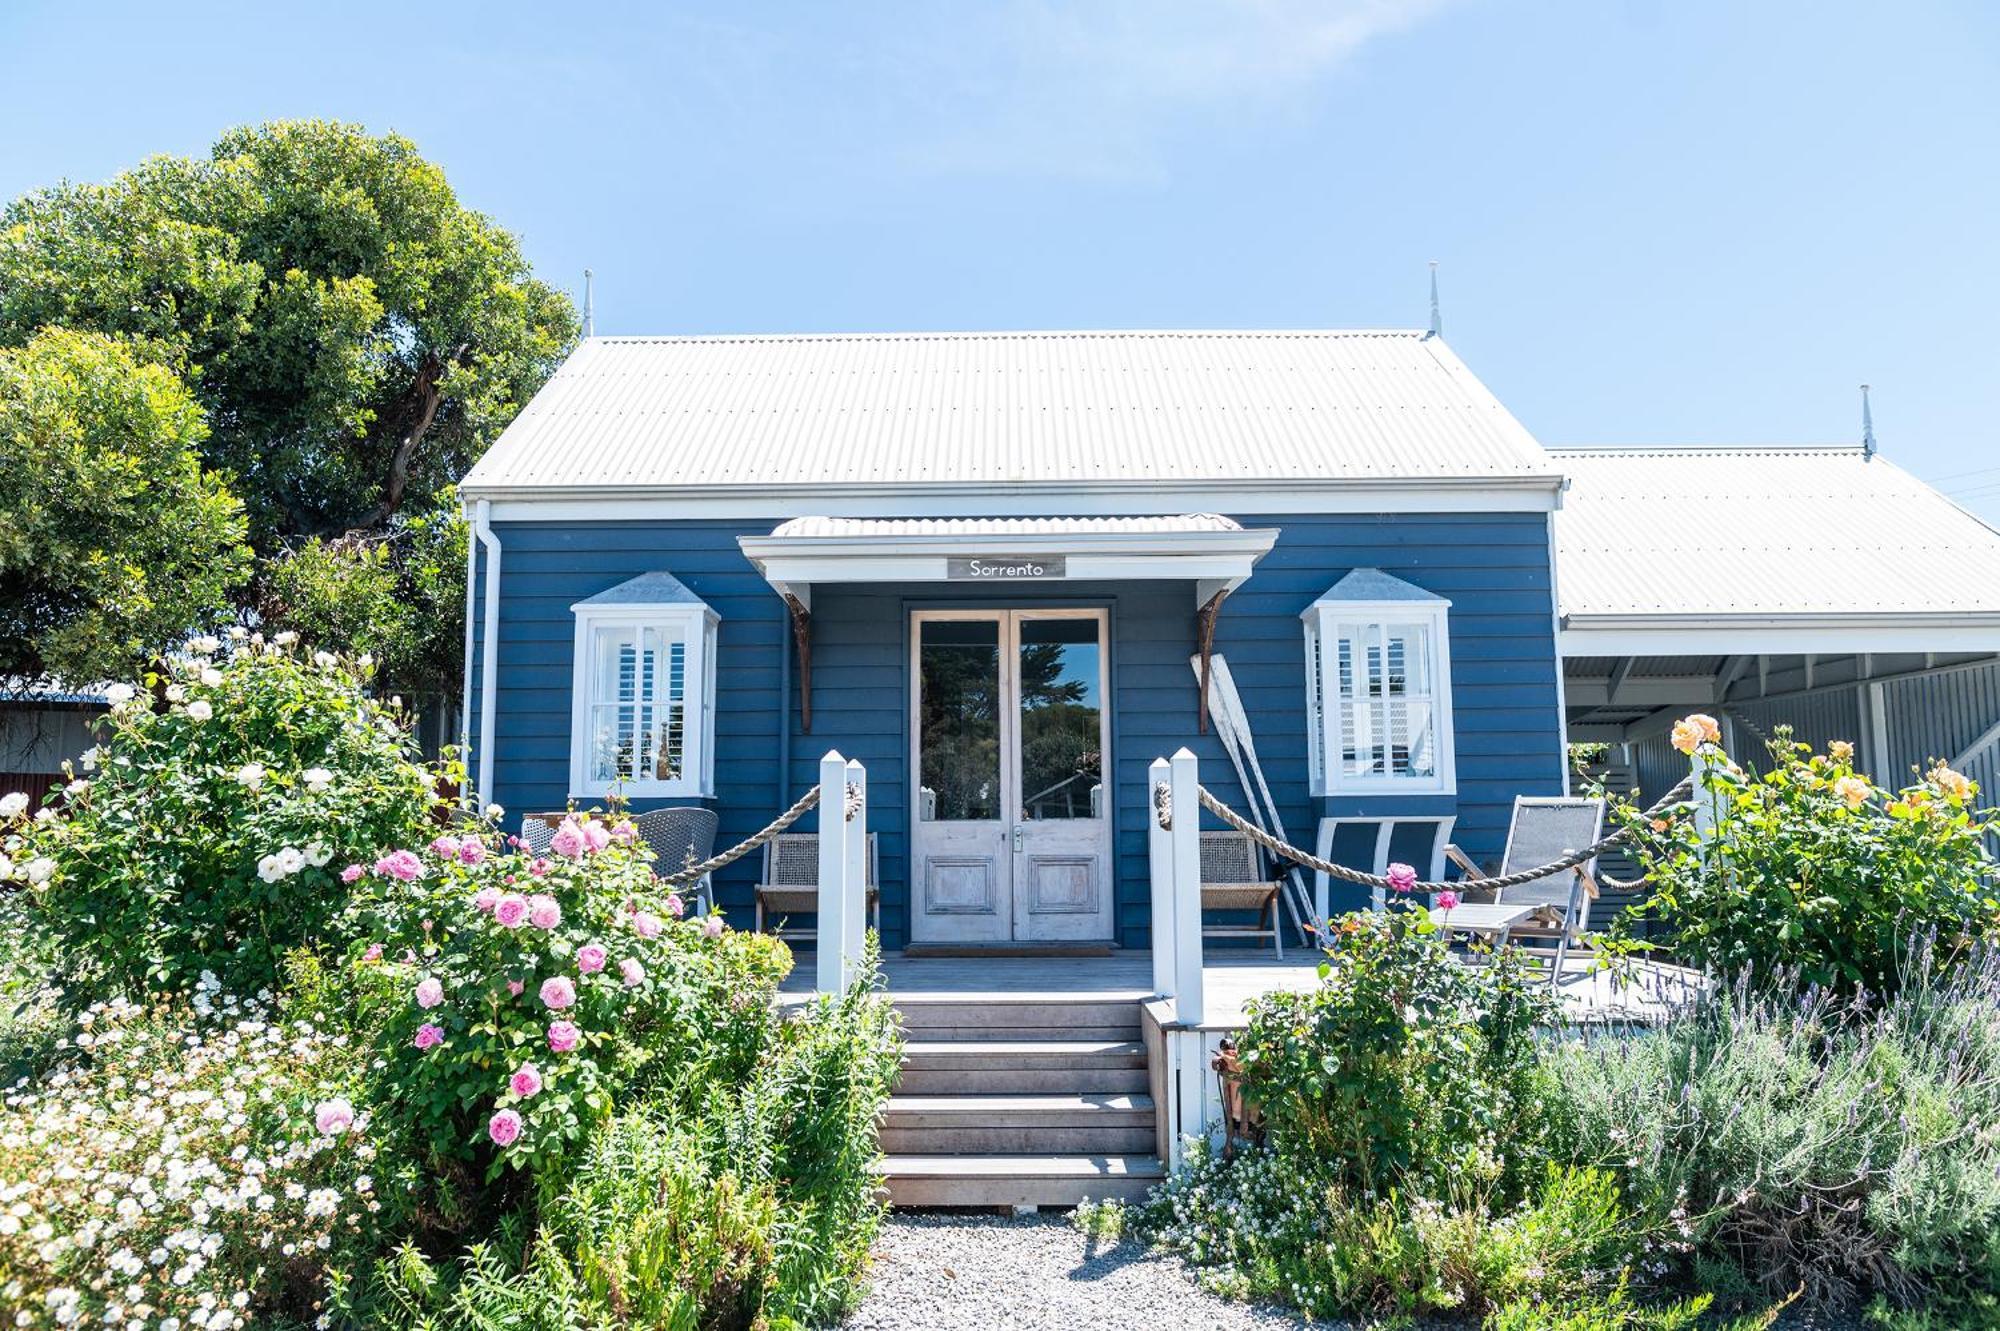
<point>1546,828</point>
<point>537,831</point>
<point>679,838</point>
<point>790,885</point>
<point>1232,879</point>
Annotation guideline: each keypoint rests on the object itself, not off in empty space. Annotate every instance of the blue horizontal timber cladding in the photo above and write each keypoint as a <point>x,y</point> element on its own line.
<point>1493,567</point>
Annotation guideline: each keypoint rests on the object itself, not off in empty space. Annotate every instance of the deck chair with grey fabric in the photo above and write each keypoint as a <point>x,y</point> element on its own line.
<point>790,885</point>
<point>1232,878</point>
<point>536,833</point>
<point>1546,828</point>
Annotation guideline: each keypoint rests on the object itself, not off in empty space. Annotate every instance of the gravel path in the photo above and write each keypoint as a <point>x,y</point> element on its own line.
<point>1031,1273</point>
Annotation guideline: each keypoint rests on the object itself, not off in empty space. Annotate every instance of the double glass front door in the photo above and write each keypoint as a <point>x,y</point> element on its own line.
<point>1011,839</point>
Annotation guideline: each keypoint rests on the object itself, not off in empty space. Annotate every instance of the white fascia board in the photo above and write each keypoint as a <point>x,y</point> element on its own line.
<point>1512,494</point>
<point>795,561</point>
<point>1690,635</point>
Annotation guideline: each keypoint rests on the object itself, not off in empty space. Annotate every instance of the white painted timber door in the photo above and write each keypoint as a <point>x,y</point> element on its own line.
<point>1011,830</point>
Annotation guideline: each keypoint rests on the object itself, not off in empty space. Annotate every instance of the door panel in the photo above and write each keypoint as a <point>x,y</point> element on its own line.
<point>1009,718</point>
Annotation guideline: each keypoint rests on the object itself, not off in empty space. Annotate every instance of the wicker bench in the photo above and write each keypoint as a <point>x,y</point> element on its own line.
<point>790,885</point>
<point>1230,880</point>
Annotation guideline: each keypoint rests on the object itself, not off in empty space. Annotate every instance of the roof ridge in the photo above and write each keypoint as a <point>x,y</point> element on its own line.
<point>1642,450</point>
<point>1002,334</point>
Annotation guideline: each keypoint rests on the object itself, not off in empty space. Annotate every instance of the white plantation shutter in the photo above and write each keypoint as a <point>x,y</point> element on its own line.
<point>1378,696</point>
<point>643,710</point>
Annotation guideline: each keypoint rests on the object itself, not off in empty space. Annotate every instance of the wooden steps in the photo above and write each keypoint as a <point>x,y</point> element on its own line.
<point>1022,1099</point>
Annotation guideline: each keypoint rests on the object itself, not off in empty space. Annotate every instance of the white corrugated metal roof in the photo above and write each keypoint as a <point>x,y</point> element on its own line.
<point>627,415</point>
<point>892,527</point>
<point>1770,533</point>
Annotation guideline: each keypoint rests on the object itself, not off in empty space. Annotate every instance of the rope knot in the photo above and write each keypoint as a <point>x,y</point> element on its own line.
<point>1163,806</point>
<point>852,805</point>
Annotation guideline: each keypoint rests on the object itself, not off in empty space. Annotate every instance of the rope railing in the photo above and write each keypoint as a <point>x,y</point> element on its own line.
<point>1163,810</point>
<point>693,872</point>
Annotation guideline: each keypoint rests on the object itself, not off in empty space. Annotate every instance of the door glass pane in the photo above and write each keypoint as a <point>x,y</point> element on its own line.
<point>958,739</point>
<point>1062,762</point>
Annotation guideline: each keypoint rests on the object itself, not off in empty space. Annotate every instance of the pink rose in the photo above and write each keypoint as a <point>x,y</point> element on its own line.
<point>557,992</point>
<point>472,851</point>
<point>675,906</point>
<point>374,952</point>
<point>590,959</point>
<point>568,841</point>
<point>543,912</point>
<point>430,992</point>
<point>596,836</point>
<point>504,1128</point>
<point>401,864</point>
<point>712,927</point>
<point>510,909</point>
<point>634,973</point>
<point>1447,901</point>
<point>564,1036</point>
<point>625,832</point>
<point>485,899</point>
<point>515,987</point>
<point>646,925</point>
<point>428,1036</point>
<point>333,1117</point>
<point>1402,878</point>
<point>539,866</point>
<point>526,1081</point>
<point>445,847</point>
<point>352,873</point>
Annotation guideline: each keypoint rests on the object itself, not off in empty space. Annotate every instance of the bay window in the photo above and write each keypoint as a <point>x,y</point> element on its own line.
<point>643,716</point>
<point>1378,688</point>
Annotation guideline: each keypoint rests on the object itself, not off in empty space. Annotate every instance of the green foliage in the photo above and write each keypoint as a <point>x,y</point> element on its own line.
<point>1810,1141</point>
<point>1816,875</point>
<point>113,540</point>
<point>210,828</point>
<point>1403,1068</point>
<point>381,593</point>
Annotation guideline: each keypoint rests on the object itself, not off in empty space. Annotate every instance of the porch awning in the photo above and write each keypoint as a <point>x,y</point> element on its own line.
<point>1214,552</point>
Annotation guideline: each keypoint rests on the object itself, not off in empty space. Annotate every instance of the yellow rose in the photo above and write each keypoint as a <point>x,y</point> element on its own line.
<point>1840,751</point>
<point>1691,732</point>
<point>1957,785</point>
<point>1852,789</point>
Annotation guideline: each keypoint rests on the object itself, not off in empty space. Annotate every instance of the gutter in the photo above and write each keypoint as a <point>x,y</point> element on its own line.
<point>489,663</point>
<point>1542,482</point>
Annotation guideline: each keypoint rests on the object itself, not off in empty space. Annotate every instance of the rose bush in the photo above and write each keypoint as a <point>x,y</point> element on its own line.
<point>540,987</point>
<point>207,828</point>
<point>1815,874</point>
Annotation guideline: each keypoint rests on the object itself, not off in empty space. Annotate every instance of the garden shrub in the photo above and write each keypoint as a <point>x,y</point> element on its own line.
<point>196,1166</point>
<point>1842,1145</point>
<point>1817,874</point>
<point>539,989</point>
<point>1403,1068</point>
<point>209,827</point>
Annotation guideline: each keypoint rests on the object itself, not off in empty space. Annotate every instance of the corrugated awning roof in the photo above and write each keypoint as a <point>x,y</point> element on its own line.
<point>834,528</point>
<point>629,415</point>
<point>1699,538</point>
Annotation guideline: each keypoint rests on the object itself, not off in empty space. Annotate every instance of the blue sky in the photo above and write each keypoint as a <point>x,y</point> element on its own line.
<point>1659,220</point>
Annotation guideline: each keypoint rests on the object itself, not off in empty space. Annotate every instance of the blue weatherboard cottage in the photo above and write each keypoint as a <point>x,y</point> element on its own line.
<point>993,567</point>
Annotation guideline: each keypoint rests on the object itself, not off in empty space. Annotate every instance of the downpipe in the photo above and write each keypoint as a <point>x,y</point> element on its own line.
<point>489,663</point>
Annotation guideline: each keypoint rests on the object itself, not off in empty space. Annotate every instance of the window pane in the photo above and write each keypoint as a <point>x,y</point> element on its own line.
<point>958,724</point>
<point>1062,760</point>
<point>639,677</point>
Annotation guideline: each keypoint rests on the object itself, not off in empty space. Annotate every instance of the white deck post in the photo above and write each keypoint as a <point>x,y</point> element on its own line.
<point>854,903</point>
<point>1189,1009</point>
<point>829,961</point>
<point>1703,794</point>
<point>1160,858</point>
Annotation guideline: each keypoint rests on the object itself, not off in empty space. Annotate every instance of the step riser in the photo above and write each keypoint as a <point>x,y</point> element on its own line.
<point>1016,1141</point>
<point>1014,1192</point>
<point>977,1015</point>
<point>1017,1034</point>
<point>1021,1081</point>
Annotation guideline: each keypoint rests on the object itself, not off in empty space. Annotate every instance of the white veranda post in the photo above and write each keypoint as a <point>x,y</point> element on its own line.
<point>1160,860</point>
<point>843,848</point>
<point>1189,1008</point>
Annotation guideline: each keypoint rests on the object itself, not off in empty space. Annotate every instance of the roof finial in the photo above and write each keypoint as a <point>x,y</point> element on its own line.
<point>1437,322</point>
<point>589,324</point>
<point>1867,426</point>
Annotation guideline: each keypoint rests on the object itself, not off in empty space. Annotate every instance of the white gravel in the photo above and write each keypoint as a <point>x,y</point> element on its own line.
<point>935,1272</point>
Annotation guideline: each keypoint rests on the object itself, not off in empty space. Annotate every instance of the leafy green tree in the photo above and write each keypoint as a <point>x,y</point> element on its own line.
<point>356,334</point>
<point>113,539</point>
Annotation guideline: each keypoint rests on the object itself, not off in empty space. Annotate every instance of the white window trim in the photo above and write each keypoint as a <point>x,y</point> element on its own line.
<point>1322,623</point>
<point>693,624</point>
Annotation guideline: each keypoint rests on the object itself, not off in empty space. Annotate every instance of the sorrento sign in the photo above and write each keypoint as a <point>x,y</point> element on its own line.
<point>1004,568</point>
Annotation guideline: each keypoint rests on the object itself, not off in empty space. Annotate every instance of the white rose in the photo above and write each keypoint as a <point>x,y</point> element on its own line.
<point>317,779</point>
<point>325,660</point>
<point>45,814</point>
<point>204,644</point>
<point>89,759</point>
<point>250,775</point>
<point>77,788</point>
<point>40,868</point>
<point>286,639</point>
<point>6,868</point>
<point>211,676</point>
<point>291,859</point>
<point>269,869</point>
<point>177,693</point>
<point>13,805</point>
<point>199,710</point>
<point>318,853</point>
<point>238,632</point>
<point>495,813</point>
<point>119,693</point>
